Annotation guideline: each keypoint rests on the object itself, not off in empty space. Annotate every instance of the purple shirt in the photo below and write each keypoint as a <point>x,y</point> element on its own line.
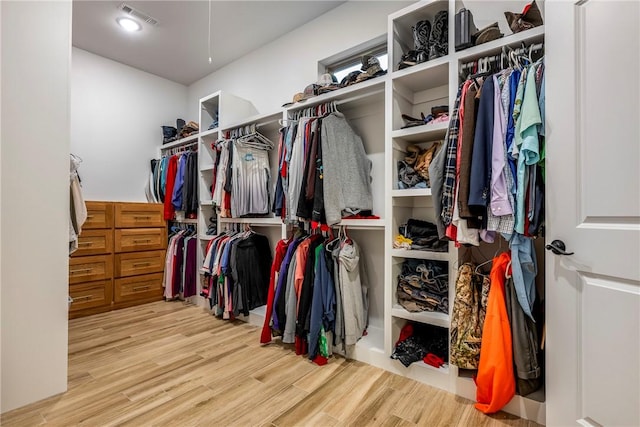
<point>499,204</point>
<point>282,279</point>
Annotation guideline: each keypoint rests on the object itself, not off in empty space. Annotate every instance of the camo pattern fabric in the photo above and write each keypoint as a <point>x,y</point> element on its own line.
<point>469,308</point>
<point>438,40</point>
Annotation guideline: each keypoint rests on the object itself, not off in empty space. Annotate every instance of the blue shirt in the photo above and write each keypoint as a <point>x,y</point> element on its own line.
<point>176,197</point>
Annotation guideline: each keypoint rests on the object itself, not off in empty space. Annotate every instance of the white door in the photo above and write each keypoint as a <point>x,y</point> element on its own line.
<point>593,206</point>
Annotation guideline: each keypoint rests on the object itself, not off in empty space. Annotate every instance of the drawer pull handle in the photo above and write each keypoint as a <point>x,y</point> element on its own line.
<point>142,217</point>
<point>85,243</point>
<point>142,264</point>
<point>80,270</point>
<point>83,298</point>
<point>142,241</point>
<point>141,288</point>
<point>90,216</point>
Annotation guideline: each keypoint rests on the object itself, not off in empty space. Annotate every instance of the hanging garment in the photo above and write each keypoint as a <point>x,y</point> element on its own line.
<point>526,349</point>
<point>353,292</point>
<point>467,320</point>
<point>344,161</point>
<point>322,308</point>
<point>250,182</point>
<point>77,209</point>
<point>281,249</point>
<point>169,210</point>
<point>495,381</point>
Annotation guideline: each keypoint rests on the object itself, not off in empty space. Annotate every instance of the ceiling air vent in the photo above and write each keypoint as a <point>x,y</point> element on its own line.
<point>137,14</point>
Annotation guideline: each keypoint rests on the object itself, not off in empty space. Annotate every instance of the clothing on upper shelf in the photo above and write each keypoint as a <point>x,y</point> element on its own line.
<point>179,280</point>
<point>317,156</point>
<point>317,292</point>
<point>236,268</point>
<point>173,180</point>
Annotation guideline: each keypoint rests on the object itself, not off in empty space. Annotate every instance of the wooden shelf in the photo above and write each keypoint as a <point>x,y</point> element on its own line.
<point>428,317</point>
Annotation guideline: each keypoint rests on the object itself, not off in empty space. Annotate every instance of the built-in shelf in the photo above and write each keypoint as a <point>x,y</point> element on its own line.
<point>185,221</point>
<point>411,192</point>
<point>206,202</point>
<point>266,123</point>
<point>414,78</point>
<point>193,138</point>
<point>256,221</point>
<point>495,46</point>
<point>407,253</point>
<point>358,91</point>
<point>207,168</point>
<point>429,317</point>
<point>424,133</point>
<point>362,223</point>
<point>206,237</point>
<point>208,133</point>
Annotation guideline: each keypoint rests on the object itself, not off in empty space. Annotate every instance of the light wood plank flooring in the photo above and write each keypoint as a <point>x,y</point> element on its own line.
<point>173,364</point>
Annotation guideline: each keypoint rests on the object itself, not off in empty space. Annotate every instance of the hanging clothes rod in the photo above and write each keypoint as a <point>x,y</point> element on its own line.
<point>492,58</point>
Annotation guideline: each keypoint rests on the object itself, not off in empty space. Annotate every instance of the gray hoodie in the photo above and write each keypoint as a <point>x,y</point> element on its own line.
<point>346,169</point>
<point>354,307</point>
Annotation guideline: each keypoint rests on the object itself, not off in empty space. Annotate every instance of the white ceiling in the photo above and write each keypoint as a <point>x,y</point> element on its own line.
<point>176,48</point>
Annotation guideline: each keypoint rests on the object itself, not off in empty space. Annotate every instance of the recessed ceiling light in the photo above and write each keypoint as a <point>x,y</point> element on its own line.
<point>129,24</point>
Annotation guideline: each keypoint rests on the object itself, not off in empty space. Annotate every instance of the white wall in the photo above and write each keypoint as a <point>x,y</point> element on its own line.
<point>116,114</point>
<point>271,75</point>
<point>36,61</point>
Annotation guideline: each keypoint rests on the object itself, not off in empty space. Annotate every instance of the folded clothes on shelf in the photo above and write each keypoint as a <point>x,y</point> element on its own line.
<point>423,286</point>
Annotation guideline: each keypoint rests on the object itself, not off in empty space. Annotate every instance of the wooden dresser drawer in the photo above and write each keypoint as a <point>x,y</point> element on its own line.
<point>94,242</point>
<point>99,215</point>
<point>90,268</point>
<point>137,263</point>
<point>138,288</point>
<point>140,239</point>
<point>132,215</point>
<point>90,295</point>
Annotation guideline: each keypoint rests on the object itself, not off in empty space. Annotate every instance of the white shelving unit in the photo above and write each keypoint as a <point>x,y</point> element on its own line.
<point>374,109</point>
<point>411,91</point>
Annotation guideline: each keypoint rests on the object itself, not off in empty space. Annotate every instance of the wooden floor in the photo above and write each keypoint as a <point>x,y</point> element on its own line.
<point>173,364</point>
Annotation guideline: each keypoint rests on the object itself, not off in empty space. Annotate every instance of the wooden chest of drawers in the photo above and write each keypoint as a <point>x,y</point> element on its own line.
<point>120,257</point>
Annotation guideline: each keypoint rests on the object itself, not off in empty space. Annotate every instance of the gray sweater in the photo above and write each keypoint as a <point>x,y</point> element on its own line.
<point>346,169</point>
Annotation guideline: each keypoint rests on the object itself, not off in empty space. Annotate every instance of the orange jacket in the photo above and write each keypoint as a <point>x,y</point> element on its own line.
<point>495,380</point>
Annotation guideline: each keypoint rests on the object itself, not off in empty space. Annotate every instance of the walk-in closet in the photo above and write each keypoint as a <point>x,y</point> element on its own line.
<point>320,213</point>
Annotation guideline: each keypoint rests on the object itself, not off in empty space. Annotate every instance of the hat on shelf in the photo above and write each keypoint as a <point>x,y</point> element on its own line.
<point>487,34</point>
<point>529,18</point>
<point>327,83</point>
<point>309,92</point>
<point>370,67</point>
<point>350,78</point>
